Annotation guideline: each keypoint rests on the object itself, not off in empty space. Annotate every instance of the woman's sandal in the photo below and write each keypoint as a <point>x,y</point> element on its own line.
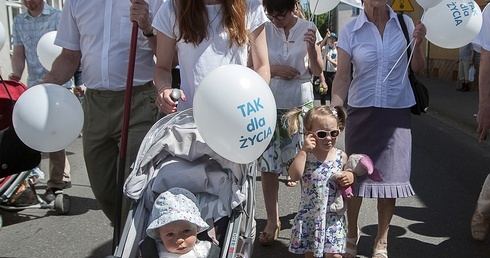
<point>351,252</point>
<point>291,183</point>
<point>267,239</point>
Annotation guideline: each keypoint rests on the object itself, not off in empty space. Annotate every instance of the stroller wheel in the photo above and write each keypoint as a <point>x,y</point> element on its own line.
<point>62,204</point>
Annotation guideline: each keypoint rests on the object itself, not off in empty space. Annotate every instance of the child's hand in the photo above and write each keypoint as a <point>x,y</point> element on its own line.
<point>309,143</point>
<point>346,178</point>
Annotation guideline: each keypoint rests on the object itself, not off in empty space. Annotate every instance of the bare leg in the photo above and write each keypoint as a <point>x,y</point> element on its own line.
<point>386,208</point>
<point>354,205</point>
<point>270,189</point>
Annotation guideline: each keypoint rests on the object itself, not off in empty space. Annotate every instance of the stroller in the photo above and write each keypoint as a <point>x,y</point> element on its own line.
<point>173,154</point>
<point>16,160</point>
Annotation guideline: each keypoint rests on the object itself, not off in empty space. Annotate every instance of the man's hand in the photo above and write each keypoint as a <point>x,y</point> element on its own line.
<point>79,91</point>
<point>483,119</point>
<point>14,77</point>
<point>139,12</point>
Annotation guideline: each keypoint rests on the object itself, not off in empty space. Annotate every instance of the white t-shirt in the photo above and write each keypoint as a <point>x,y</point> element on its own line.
<point>291,52</point>
<point>332,53</point>
<point>373,57</point>
<point>483,38</point>
<point>197,61</point>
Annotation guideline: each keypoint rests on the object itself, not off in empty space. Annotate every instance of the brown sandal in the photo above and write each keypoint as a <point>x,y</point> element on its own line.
<point>267,239</point>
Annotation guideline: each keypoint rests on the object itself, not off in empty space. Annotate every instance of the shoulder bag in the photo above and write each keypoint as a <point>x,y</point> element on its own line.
<point>419,90</point>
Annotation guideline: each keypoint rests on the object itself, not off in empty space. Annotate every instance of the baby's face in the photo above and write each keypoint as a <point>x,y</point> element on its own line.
<point>179,236</point>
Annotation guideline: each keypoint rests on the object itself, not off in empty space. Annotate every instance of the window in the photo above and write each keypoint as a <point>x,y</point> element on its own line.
<point>355,11</point>
<point>14,7</point>
<point>58,4</point>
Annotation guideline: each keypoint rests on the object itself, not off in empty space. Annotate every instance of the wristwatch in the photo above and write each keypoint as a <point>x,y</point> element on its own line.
<point>151,34</point>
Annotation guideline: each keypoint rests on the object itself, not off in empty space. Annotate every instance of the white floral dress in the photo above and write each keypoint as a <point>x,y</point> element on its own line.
<point>315,229</point>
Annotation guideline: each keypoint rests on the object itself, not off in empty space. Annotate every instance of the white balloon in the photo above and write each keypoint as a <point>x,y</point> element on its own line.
<point>3,35</point>
<point>47,51</point>
<point>453,23</point>
<point>47,117</point>
<point>235,112</point>
<point>322,6</point>
<point>426,4</point>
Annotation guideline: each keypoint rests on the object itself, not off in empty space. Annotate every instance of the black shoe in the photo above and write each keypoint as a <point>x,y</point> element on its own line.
<point>465,89</point>
<point>51,193</point>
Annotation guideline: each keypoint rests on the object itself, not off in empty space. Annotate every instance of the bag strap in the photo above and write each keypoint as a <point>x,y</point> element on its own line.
<point>401,20</point>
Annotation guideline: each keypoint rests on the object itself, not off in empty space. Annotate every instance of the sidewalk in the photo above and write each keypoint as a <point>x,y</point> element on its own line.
<point>451,106</point>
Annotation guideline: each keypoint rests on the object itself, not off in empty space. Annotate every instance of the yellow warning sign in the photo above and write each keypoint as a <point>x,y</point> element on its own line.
<point>402,6</point>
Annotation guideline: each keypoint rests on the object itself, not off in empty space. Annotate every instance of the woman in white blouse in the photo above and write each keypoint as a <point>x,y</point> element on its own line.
<point>378,118</point>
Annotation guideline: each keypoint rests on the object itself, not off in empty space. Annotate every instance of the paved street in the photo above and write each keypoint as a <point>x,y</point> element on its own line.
<point>449,166</point>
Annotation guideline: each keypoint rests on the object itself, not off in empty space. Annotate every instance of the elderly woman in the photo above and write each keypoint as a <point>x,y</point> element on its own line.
<point>378,120</point>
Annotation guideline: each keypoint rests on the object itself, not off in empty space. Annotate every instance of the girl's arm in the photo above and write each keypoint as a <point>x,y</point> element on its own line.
<point>298,166</point>
<point>342,78</point>
<point>166,51</point>
<point>346,178</point>
<point>260,57</point>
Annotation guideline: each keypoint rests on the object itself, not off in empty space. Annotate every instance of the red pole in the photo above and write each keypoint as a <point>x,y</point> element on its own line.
<point>124,136</point>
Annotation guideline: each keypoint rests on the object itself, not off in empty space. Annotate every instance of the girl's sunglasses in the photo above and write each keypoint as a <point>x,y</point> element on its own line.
<point>322,134</point>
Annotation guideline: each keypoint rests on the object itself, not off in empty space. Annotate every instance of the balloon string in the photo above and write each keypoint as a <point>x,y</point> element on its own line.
<point>423,16</point>
<point>313,13</point>
<point>398,60</point>
<point>409,59</point>
<point>5,68</point>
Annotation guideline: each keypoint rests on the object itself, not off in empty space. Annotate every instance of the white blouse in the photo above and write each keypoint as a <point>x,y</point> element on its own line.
<point>373,57</point>
<point>292,52</point>
<point>196,62</point>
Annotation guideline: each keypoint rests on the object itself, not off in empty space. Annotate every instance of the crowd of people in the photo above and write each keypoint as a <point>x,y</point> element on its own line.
<point>288,52</point>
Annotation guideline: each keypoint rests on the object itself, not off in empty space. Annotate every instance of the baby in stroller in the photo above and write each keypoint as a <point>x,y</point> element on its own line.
<point>175,222</point>
<point>173,154</point>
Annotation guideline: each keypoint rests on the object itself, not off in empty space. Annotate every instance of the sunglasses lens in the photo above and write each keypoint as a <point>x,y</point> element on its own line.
<point>321,134</point>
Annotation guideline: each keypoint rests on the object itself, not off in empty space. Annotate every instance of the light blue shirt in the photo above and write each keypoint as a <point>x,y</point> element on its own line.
<point>27,32</point>
<point>373,57</point>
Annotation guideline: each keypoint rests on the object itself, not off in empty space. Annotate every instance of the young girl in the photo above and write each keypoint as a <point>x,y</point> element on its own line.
<point>318,231</point>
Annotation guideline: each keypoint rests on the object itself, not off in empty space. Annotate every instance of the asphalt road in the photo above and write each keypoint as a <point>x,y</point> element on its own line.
<point>449,166</point>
